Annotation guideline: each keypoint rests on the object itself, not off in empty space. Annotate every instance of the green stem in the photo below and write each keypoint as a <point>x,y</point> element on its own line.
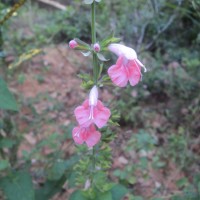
<point>95,70</point>
<point>2,58</point>
<point>93,29</point>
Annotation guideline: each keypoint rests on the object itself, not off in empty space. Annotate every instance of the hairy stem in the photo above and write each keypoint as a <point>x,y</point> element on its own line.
<point>93,29</point>
<point>95,70</point>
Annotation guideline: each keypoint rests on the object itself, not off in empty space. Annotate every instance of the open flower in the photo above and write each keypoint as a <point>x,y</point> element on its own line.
<point>89,135</point>
<point>127,68</point>
<point>92,111</point>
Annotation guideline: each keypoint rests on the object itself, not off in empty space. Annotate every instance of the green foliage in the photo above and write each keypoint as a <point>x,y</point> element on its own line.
<point>118,191</point>
<point>77,195</point>
<point>4,164</point>
<point>18,186</point>
<point>7,100</point>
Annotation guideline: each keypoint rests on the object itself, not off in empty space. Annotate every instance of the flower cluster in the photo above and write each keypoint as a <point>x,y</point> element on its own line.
<point>90,114</point>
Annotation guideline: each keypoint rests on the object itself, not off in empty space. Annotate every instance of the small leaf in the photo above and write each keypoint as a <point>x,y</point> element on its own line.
<point>82,45</point>
<point>88,1</point>
<point>4,164</point>
<point>110,39</point>
<point>7,100</point>
<point>101,57</point>
<point>86,53</point>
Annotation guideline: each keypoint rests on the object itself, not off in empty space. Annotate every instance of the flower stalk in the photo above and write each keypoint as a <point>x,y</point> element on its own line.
<point>93,32</point>
<point>95,70</point>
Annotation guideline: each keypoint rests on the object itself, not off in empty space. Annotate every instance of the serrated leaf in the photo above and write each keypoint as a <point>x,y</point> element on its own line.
<point>7,100</point>
<point>18,186</point>
<point>4,164</point>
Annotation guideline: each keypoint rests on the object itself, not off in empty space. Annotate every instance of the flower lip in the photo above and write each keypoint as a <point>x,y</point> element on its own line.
<point>122,50</point>
<point>89,135</point>
<point>93,96</point>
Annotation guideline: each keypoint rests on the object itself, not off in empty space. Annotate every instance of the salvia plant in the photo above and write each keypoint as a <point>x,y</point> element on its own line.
<point>92,133</point>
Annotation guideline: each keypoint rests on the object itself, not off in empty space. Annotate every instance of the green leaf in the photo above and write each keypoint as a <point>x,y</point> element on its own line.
<point>49,189</point>
<point>57,176</point>
<point>110,39</point>
<point>60,167</point>
<point>6,143</point>
<point>4,164</point>
<point>101,57</point>
<point>105,196</point>
<point>77,195</point>
<point>7,100</point>
<point>18,186</point>
<point>118,192</point>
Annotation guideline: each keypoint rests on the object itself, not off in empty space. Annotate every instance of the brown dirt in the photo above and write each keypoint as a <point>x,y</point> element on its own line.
<point>59,67</point>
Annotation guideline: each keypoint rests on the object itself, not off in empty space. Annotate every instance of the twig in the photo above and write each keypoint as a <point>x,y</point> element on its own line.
<point>13,10</point>
<point>54,4</point>
<point>170,21</point>
<point>167,25</point>
<point>144,27</point>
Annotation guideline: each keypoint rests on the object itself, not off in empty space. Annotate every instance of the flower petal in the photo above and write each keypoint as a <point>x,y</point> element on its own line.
<point>82,114</point>
<point>101,115</point>
<point>118,73</point>
<point>93,136</point>
<point>77,136</point>
<point>122,50</point>
<point>134,74</point>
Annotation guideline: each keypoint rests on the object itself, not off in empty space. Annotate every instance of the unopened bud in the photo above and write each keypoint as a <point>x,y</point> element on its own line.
<point>96,47</point>
<point>73,44</point>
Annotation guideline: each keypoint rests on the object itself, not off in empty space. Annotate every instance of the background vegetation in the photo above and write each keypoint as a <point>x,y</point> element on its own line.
<point>157,151</point>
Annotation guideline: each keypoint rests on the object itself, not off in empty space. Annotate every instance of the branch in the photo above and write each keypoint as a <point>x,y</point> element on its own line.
<point>167,25</point>
<point>54,4</point>
<point>13,10</point>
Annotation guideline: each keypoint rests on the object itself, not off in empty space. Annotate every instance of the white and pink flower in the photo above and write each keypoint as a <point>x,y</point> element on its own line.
<point>127,68</point>
<point>92,112</point>
<point>89,135</point>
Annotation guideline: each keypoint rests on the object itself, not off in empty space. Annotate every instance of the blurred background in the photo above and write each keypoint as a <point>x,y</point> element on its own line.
<point>156,153</point>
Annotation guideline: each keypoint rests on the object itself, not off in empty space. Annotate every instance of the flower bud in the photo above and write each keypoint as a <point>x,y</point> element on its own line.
<point>96,47</point>
<point>73,44</point>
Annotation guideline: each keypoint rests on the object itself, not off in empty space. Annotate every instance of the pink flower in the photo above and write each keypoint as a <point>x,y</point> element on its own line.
<point>96,47</point>
<point>89,135</point>
<point>92,111</point>
<point>127,68</point>
<point>73,44</point>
